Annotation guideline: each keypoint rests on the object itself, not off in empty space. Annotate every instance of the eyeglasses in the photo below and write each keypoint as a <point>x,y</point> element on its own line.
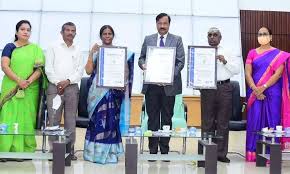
<point>263,34</point>
<point>212,35</point>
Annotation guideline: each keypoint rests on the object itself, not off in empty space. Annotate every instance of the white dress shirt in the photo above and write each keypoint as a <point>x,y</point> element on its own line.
<point>63,62</point>
<point>231,68</point>
<point>164,39</point>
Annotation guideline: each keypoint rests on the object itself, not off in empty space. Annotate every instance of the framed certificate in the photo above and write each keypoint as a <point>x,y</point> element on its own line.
<point>160,64</point>
<point>201,73</point>
<point>111,67</point>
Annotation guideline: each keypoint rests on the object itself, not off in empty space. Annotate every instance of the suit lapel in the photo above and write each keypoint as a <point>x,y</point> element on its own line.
<point>154,40</point>
<point>168,40</point>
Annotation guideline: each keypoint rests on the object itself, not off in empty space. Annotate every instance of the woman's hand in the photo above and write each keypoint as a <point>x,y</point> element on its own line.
<point>255,90</point>
<point>94,49</point>
<point>23,84</point>
<point>90,63</point>
<point>261,97</point>
<point>259,90</point>
<point>122,89</point>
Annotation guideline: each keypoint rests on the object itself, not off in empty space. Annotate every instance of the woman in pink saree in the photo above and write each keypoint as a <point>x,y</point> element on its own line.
<point>267,76</point>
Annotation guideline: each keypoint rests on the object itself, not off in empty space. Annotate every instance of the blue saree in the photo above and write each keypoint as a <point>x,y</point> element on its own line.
<point>109,111</point>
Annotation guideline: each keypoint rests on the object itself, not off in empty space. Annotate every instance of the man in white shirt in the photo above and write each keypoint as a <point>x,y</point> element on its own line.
<point>64,69</point>
<point>216,104</point>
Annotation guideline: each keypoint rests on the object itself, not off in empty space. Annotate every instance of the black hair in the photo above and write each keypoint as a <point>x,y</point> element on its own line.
<point>106,27</point>
<point>269,30</point>
<point>67,24</point>
<point>18,26</point>
<point>161,15</point>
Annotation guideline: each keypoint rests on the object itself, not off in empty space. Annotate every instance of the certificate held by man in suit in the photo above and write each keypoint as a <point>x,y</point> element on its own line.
<point>160,64</point>
<point>111,67</point>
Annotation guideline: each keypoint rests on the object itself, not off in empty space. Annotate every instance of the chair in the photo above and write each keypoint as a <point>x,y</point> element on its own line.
<point>179,120</point>
<point>83,117</point>
<point>41,117</point>
<point>236,123</point>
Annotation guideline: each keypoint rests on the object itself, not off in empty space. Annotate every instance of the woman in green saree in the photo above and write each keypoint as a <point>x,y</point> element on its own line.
<point>22,64</point>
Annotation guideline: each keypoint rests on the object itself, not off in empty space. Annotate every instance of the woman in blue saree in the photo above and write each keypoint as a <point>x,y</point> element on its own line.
<point>268,103</point>
<point>109,109</point>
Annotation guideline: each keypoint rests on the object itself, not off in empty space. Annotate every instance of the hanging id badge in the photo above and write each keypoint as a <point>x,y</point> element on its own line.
<point>20,93</point>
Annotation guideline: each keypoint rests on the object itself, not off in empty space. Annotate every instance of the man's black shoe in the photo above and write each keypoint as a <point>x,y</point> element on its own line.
<point>152,160</point>
<point>224,159</point>
<point>74,158</point>
<point>165,153</point>
<point>3,160</point>
<point>19,160</point>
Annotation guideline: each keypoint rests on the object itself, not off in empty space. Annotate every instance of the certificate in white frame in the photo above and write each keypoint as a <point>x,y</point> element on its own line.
<point>111,67</point>
<point>160,65</point>
<point>202,69</point>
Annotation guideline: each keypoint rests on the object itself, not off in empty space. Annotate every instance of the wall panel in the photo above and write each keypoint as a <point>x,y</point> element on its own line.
<point>7,31</point>
<point>278,22</point>
<point>52,23</point>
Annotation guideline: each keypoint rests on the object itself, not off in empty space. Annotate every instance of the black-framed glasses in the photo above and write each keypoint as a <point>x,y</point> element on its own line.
<point>212,35</point>
<point>263,34</point>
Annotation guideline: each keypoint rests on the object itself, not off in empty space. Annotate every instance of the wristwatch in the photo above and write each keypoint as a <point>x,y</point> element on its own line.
<point>265,85</point>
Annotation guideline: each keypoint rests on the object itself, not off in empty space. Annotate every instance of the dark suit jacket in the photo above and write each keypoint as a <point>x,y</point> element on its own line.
<point>171,41</point>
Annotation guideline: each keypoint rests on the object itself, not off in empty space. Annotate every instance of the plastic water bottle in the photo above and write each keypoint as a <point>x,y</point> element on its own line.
<point>192,131</point>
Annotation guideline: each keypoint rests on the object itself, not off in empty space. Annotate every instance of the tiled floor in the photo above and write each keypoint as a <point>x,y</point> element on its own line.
<point>237,165</point>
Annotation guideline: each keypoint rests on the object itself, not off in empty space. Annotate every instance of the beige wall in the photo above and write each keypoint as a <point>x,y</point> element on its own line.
<point>193,109</point>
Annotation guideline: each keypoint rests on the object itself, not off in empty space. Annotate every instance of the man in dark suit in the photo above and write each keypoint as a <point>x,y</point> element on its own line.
<point>159,99</point>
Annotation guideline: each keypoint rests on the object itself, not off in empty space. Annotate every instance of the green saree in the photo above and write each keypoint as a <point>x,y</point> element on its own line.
<point>22,110</point>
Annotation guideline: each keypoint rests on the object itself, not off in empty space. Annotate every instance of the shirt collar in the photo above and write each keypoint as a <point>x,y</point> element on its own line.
<point>164,36</point>
<point>62,43</point>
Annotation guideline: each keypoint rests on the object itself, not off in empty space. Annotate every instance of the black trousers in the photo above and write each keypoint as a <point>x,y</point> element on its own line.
<point>216,110</point>
<point>159,108</point>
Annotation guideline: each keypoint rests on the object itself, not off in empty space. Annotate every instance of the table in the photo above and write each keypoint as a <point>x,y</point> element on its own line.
<point>61,155</point>
<point>275,156</point>
<point>206,157</point>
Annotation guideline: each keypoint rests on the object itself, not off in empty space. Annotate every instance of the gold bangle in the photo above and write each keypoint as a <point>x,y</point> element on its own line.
<point>18,79</point>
